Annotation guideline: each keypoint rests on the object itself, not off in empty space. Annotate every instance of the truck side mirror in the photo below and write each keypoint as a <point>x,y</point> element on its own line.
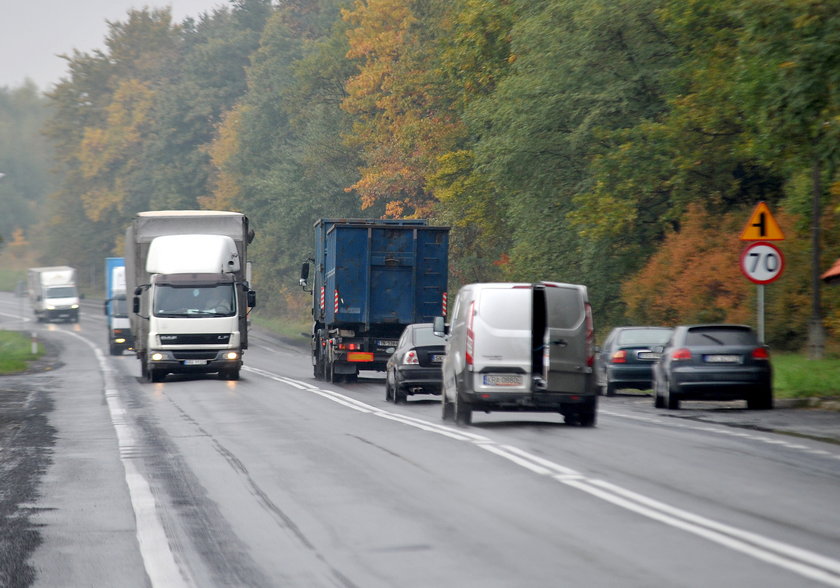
<point>105,307</point>
<point>304,274</point>
<point>252,299</point>
<point>439,327</point>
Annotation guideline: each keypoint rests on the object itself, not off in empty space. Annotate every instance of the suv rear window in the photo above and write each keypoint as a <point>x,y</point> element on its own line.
<point>720,336</point>
<point>506,308</point>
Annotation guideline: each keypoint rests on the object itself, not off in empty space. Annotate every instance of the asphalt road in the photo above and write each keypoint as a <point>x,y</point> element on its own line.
<point>281,480</point>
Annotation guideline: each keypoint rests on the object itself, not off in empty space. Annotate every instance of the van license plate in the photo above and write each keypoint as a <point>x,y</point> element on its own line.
<point>502,380</point>
<point>195,362</point>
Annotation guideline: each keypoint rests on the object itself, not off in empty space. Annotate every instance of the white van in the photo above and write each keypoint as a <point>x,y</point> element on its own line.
<point>520,347</point>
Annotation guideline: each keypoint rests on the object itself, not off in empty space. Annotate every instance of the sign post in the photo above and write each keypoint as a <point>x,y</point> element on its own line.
<point>762,262</point>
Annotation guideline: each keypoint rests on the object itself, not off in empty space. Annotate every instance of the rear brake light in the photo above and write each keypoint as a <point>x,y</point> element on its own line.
<point>468,356</point>
<point>681,354</point>
<point>619,356</point>
<point>411,358</point>
<point>349,346</point>
<point>761,353</point>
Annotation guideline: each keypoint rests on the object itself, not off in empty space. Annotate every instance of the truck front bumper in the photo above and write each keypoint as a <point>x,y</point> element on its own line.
<point>185,361</point>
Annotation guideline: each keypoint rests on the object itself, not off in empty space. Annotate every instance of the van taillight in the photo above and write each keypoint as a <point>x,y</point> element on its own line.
<point>761,353</point>
<point>470,335</point>
<point>590,336</point>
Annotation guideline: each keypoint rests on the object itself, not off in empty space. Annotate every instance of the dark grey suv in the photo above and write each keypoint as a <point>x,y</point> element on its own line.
<point>713,362</point>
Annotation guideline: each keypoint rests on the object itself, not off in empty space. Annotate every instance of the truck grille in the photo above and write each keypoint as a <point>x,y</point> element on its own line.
<point>195,339</point>
<point>180,355</point>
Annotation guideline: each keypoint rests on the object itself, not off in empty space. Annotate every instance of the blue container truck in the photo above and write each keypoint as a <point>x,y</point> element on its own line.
<point>116,307</point>
<point>372,277</point>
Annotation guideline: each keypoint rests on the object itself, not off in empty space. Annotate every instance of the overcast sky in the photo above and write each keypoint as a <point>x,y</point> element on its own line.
<point>34,32</point>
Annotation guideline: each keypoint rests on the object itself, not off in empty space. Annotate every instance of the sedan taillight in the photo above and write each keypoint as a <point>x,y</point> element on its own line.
<point>410,358</point>
<point>681,354</point>
<point>619,356</point>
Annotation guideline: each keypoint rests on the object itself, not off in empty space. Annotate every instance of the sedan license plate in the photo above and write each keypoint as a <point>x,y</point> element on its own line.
<point>722,358</point>
<point>502,380</point>
<point>648,355</point>
<point>195,362</point>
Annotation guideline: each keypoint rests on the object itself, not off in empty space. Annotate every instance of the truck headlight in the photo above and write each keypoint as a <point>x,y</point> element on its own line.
<point>160,355</point>
<point>231,355</point>
<point>75,306</point>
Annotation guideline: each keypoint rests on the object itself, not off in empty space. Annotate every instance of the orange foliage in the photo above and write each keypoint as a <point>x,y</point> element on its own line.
<point>694,276</point>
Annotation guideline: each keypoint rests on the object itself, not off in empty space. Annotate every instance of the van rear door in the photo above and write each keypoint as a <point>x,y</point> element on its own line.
<point>566,336</point>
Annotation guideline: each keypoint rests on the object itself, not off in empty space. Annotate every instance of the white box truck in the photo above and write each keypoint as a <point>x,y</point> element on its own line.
<point>187,272</point>
<point>53,293</point>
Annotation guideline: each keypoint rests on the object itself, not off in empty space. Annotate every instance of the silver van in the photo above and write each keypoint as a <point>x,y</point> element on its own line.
<point>520,347</point>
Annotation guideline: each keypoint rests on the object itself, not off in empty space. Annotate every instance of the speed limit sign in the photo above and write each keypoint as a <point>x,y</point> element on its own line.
<point>762,262</point>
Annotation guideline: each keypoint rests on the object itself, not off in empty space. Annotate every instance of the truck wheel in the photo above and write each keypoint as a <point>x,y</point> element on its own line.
<point>155,375</point>
<point>463,411</point>
<point>114,350</point>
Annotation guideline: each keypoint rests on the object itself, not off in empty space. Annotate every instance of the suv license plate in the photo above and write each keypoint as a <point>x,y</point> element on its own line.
<point>195,362</point>
<point>502,380</point>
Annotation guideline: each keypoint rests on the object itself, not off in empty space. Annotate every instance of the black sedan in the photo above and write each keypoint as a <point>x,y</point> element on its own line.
<point>626,358</point>
<point>414,367</point>
<point>713,362</point>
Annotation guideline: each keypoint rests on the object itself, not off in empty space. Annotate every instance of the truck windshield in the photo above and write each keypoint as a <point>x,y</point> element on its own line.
<point>194,301</point>
<point>61,292</point>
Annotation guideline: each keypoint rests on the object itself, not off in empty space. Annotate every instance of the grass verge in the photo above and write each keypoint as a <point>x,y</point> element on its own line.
<point>16,352</point>
<point>796,376</point>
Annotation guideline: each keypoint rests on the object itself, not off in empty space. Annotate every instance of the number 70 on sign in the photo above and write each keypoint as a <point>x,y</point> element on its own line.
<point>762,262</point>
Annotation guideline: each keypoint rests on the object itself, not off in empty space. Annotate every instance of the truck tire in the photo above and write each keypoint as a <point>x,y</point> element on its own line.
<point>448,409</point>
<point>114,349</point>
<point>155,375</point>
<point>231,375</point>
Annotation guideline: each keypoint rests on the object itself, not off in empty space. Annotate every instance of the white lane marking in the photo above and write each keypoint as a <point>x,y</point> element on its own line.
<point>158,559</point>
<point>761,438</point>
<point>806,563</point>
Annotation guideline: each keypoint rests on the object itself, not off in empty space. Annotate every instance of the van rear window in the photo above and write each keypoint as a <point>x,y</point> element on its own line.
<point>506,308</point>
<point>565,307</point>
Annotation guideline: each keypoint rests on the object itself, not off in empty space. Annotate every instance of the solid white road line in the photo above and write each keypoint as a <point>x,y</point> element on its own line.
<point>800,561</point>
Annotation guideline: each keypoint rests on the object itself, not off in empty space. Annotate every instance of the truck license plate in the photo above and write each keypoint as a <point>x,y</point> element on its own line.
<point>195,362</point>
<point>502,380</point>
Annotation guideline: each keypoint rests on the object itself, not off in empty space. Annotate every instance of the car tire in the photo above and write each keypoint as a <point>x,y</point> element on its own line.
<point>400,397</point>
<point>761,400</point>
<point>389,392</point>
<point>609,389</point>
<point>671,400</point>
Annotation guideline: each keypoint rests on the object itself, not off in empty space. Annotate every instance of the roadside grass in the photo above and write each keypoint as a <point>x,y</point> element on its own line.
<point>16,352</point>
<point>796,376</point>
<point>9,278</point>
<point>297,331</point>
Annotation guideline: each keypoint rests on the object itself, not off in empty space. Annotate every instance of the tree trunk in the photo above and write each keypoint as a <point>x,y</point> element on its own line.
<point>816,331</point>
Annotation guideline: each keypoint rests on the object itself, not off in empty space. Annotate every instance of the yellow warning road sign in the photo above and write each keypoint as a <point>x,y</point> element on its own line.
<point>762,226</point>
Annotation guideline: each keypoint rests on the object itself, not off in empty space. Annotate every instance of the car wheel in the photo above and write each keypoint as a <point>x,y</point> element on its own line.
<point>609,389</point>
<point>389,394</point>
<point>400,397</point>
<point>463,411</point>
<point>658,401</point>
<point>761,400</point>
<point>671,400</point>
